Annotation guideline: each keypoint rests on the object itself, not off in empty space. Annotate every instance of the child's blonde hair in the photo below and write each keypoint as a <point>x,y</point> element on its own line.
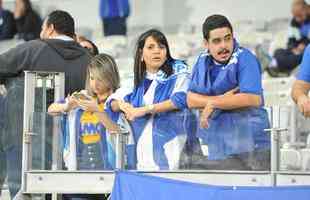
<point>103,68</point>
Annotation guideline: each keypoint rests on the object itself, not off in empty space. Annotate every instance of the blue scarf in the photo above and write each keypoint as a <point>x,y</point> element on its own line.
<point>164,126</point>
<point>227,79</point>
<point>178,67</point>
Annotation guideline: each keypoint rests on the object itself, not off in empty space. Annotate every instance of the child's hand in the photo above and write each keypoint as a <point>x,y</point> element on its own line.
<point>89,105</point>
<point>71,103</point>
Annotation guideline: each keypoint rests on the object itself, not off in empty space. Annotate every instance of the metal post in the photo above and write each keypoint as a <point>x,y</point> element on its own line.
<point>27,124</point>
<point>29,102</point>
<point>121,137</point>
<point>43,123</point>
<point>275,132</point>
<point>293,132</point>
<point>59,93</point>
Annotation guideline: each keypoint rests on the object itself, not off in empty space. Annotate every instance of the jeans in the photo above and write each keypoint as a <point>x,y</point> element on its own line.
<point>114,26</point>
<point>84,197</point>
<point>258,160</point>
<point>11,137</point>
<point>287,60</point>
<point>90,157</point>
<point>2,155</point>
<point>11,164</point>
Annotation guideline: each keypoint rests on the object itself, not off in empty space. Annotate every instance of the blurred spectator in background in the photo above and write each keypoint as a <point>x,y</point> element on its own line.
<point>89,45</point>
<point>301,86</point>
<point>114,15</point>
<point>308,6</point>
<point>285,60</point>
<point>7,24</point>
<point>28,21</point>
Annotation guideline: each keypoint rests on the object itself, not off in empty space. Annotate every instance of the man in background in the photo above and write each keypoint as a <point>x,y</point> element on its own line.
<point>114,16</point>
<point>56,51</point>
<point>7,24</point>
<point>287,59</point>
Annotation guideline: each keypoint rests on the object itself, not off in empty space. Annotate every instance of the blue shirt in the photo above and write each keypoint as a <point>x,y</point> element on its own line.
<point>231,132</point>
<point>250,74</point>
<point>247,76</point>
<point>304,69</point>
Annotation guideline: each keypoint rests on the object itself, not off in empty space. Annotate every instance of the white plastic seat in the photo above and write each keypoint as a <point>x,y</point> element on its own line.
<point>305,161</point>
<point>290,159</point>
<point>278,98</point>
<point>278,84</point>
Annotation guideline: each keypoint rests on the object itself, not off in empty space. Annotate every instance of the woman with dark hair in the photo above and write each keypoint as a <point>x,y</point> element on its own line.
<point>28,22</point>
<point>160,85</point>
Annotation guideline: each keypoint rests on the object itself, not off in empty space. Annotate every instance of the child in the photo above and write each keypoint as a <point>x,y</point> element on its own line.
<point>86,122</point>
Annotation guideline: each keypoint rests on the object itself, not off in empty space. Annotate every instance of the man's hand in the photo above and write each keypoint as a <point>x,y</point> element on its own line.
<point>231,92</point>
<point>303,104</point>
<point>205,114</point>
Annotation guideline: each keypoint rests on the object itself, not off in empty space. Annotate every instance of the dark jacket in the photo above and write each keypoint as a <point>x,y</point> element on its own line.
<point>47,55</point>
<point>7,25</point>
<point>38,55</point>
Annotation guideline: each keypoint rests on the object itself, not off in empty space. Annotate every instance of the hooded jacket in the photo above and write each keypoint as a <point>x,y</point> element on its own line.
<point>47,55</point>
<point>38,55</point>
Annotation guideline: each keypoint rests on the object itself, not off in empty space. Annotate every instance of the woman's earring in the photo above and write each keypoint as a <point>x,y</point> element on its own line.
<point>141,58</point>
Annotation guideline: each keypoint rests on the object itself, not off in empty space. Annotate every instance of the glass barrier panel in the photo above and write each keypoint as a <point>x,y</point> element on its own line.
<point>82,143</point>
<point>294,148</point>
<point>178,140</point>
<point>232,140</point>
<point>41,143</point>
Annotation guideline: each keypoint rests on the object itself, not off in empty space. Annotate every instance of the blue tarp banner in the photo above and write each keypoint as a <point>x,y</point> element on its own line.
<point>135,186</point>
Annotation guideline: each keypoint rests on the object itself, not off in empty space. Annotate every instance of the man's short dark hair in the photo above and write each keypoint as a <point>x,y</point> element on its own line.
<point>213,22</point>
<point>62,21</point>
